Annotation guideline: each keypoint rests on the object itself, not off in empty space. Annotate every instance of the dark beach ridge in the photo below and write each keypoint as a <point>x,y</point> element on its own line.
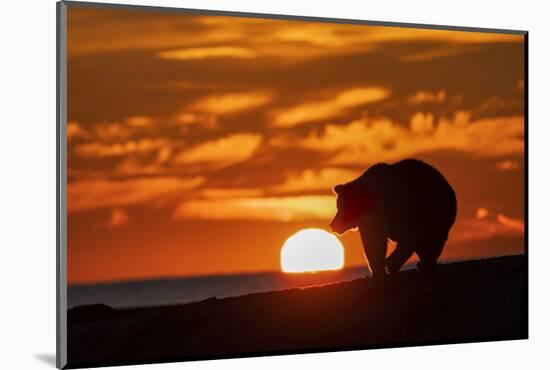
<point>466,301</point>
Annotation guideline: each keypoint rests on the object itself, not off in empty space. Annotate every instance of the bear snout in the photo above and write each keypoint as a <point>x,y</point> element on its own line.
<point>337,227</point>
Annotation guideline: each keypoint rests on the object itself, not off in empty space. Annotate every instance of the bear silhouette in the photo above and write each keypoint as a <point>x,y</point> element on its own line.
<point>408,202</point>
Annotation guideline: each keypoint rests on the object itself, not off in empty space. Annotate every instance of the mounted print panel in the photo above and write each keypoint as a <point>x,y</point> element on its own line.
<point>237,184</point>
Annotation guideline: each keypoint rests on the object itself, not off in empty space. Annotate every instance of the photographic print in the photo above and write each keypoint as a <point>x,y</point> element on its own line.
<point>246,184</point>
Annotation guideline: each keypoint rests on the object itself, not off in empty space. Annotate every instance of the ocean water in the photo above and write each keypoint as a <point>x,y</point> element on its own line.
<point>145,293</point>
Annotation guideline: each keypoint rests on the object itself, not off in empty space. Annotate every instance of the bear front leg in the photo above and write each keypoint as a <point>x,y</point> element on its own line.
<point>375,246</point>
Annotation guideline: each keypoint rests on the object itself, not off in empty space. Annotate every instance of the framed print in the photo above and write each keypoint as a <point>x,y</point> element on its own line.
<point>235,184</point>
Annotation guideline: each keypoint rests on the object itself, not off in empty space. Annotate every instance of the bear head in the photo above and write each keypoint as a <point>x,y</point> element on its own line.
<point>355,198</point>
<point>351,203</point>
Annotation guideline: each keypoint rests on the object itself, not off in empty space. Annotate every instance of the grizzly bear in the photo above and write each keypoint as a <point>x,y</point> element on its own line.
<point>408,202</point>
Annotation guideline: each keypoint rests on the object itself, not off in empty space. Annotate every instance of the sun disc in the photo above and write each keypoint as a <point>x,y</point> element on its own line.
<point>311,250</point>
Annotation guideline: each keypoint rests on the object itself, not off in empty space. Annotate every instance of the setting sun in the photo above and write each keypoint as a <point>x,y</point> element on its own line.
<point>312,250</point>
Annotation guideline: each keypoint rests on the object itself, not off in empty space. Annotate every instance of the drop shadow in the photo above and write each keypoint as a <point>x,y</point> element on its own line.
<point>47,358</point>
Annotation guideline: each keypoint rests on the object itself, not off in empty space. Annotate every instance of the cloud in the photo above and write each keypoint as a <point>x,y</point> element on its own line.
<point>163,155</point>
<point>205,120</point>
<point>435,54</point>
<point>286,209</point>
<point>208,52</point>
<point>340,39</point>
<point>390,34</point>
<point>468,229</point>
<point>425,96</point>
<point>231,103</point>
<point>75,130</point>
<point>366,141</point>
<point>119,217</point>
<point>222,152</point>
<point>481,213</point>
<point>328,108</point>
<point>103,193</point>
<point>94,31</point>
<point>316,34</point>
<point>485,225</point>
<point>422,123</point>
<point>230,192</point>
<point>99,149</point>
<point>139,121</point>
<point>322,179</point>
<point>512,223</point>
<point>113,131</point>
<point>507,165</point>
<point>521,84</point>
<point>131,166</point>
<point>494,104</point>
<point>109,131</point>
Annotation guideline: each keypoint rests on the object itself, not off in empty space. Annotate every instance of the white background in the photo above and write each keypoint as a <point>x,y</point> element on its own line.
<point>27,181</point>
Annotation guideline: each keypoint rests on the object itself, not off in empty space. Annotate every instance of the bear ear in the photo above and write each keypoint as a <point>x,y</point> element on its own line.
<point>338,189</point>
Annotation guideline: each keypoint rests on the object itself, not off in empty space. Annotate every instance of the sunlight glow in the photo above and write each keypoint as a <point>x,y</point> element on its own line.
<point>312,250</point>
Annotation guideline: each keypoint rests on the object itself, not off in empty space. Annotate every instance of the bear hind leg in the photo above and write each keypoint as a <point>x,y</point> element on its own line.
<point>399,256</point>
<point>429,253</point>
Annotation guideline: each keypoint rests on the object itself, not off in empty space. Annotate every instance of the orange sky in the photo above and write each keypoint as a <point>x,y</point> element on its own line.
<point>198,144</point>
